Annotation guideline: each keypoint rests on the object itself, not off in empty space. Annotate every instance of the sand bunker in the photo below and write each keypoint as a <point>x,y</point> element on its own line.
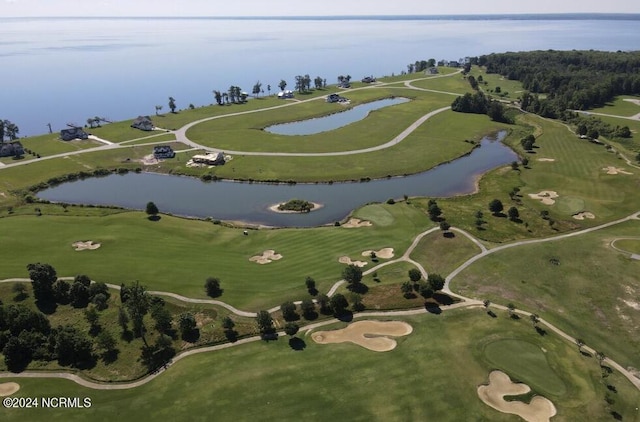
<point>355,222</point>
<point>548,197</point>
<point>372,335</point>
<point>267,257</point>
<point>548,160</point>
<point>615,170</point>
<point>8,388</point>
<point>348,261</point>
<point>384,253</point>
<point>81,246</point>
<point>538,410</point>
<point>583,215</point>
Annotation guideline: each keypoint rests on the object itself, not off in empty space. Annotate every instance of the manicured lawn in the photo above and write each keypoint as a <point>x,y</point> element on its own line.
<point>620,107</point>
<point>629,245</point>
<point>441,255</point>
<point>580,284</point>
<point>422,379</point>
<point>509,89</point>
<point>177,255</point>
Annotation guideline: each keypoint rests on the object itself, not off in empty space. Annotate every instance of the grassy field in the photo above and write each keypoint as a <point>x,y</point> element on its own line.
<point>422,379</point>
<point>179,254</point>
<point>620,107</point>
<point>441,255</point>
<point>580,284</point>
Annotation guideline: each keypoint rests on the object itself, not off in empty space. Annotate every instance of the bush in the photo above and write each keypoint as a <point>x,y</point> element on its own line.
<point>391,201</point>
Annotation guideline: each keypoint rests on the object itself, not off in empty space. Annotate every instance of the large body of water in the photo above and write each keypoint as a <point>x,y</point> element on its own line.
<point>62,71</point>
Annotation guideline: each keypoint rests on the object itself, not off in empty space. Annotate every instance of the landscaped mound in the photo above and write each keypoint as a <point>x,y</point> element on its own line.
<point>8,388</point>
<point>267,257</point>
<point>384,253</point>
<point>500,385</point>
<point>548,197</point>
<point>348,261</point>
<point>356,222</point>
<point>372,335</point>
<point>81,246</point>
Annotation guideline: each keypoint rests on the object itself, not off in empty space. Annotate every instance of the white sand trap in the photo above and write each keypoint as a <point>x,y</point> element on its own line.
<point>267,257</point>
<point>348,261</point>
<point>539,409</point>
<point>81,246</point>
<point>547,160</point>
<point>615,170</point>
<point>8,388</point>
<point>372,335</point>
<point>384,253</point>
<point>583,215</point>
<point>355,222</point>
<point>548,197</point>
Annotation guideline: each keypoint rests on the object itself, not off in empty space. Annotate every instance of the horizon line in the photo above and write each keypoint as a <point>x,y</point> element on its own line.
<point>347,16</point>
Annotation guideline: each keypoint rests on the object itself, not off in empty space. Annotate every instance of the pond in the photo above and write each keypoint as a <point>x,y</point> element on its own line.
<point>249,202</point>
<point>333,121</point>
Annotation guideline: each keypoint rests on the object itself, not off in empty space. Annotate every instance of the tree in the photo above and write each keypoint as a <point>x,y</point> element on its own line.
<point>511,309</point>
<point>525,161</point>
<point>323,302</point>
<point>311,286</point>
<point>513,214</point>
<point>415,275</point>
<point>282,84</point>
<point>534,319</point>
<point>21,290</point>
<point>61,292</point>
<point>187,324</point>
<point>159,354</point>
<point>514,165</point>
<point>580,344</point>
<point>106,343</point>
<point>93,318</point>
<point>407,289</point>
<point>158,109</point>
<point>288,310</point>
<point>291,329</point>
<point>172,104</point>
<point>352,274</point>
<point>486,303</point>
<point>436,281</point>
<point>79,295</point>
<point>593,133</point>
<point>72,347</point>
<point>338,304</point>
<point>17,355</point>
<point>269,89</point>
<point>434,211</point>
<point>308,309</point>
<point>137,306</point>
<point>257,87</point>
<point>218,96</point>
<point>227,323</point>
<point>152,210</point>
<point>162,317</point>
<point>123,320</point>
<point>425,290</point>
<point>42,278</point>
<point>265,323</point>
<point>212,287</point>
<point>444,226</point>
<point>495,206</point>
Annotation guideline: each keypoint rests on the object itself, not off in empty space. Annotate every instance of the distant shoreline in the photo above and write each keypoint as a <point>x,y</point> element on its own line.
<point>461,17</point>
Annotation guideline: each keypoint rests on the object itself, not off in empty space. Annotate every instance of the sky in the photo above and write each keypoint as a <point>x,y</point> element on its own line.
<point>28,8</point>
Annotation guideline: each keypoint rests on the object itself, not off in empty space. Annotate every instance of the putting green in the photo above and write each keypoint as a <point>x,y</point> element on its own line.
<point>569,204</point>
<point>527,363</point>
<point>376,214</point>
<point>628,245</point>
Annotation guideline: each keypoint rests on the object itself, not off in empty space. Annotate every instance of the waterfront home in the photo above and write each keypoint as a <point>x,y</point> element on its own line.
<point>73,133</point>
<point>163,151</point>
<point>143,123</point>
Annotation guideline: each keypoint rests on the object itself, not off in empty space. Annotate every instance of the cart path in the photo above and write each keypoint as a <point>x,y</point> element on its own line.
<point>465,302</point>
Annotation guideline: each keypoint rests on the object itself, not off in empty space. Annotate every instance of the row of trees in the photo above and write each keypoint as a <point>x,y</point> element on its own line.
<point>8,131</point>
<point>420,65</point>
<point>478,103</point>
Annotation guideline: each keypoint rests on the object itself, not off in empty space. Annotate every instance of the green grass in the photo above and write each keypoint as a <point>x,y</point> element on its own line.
<point>441,255</point>
<point>629,245</point>
<point>620,107</point>
<point>525,362</point>
<point>422,379</point>
<point>510,89</point>
<point>579,284</point>
<point>177,255</point>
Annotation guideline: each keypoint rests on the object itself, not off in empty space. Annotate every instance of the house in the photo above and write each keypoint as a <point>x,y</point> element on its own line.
<point>163,151</point>
<point>431,71</point>
<point>285,94</point>
<point>368,79</point>
<point>443,63</point>
<point>142,123</point>
<point>344,84</point>
<point>73,133</point>
<point>11,149</point>
<point>335,98</point>
<point>454,63</point>
<point>212,159</point>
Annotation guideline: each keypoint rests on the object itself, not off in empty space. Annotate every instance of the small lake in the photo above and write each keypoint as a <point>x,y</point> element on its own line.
<point>333,121</point>
<point>249,202</point>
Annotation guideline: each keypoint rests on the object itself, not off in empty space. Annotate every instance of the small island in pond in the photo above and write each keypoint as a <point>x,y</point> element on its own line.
<point>295,205</point>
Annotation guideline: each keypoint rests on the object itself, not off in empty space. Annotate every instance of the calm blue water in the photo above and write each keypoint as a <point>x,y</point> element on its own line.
<point>67,70</point>
<point>249,202</point>
<point>332,121</point>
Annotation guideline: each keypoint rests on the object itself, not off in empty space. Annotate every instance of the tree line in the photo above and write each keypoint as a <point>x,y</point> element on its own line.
<point>8,131</point>
<point>577,80</point>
